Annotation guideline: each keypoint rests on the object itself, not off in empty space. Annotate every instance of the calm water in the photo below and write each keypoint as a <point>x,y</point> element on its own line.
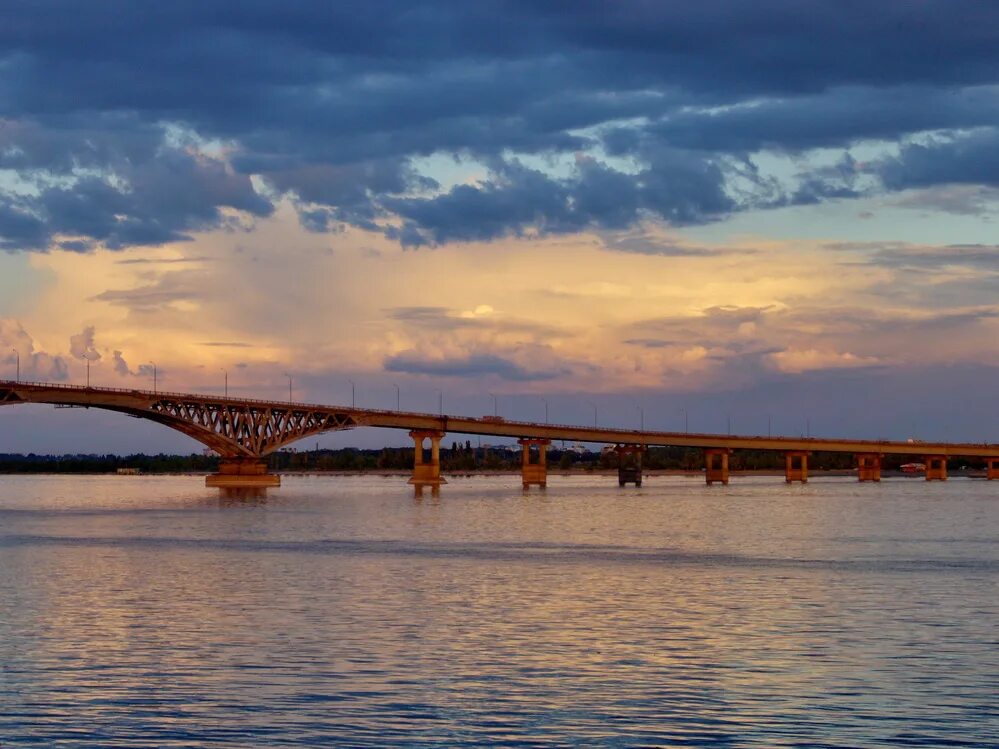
<point>145,612</point>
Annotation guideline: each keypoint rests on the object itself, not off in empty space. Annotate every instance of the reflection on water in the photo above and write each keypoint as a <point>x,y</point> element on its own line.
<point>342,611</point>
<point>242,495</point>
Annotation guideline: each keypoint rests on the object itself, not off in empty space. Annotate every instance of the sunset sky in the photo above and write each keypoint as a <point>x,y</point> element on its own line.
<point>740,211</point>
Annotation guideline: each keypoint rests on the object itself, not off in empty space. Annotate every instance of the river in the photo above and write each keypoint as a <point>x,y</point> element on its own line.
<point>341,611</point>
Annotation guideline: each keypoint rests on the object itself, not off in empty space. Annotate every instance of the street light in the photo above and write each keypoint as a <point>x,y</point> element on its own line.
<point>153,364</point>
<point>353,399</point>
<point>440,402</point>
<point>641,418</point>
<point>226,380</point>
<point>398,398</point>
<point>291,391</point>
<point>686,423</point>
<point>545,401</point>
<point>18,355</point>
<point>594,414</point>
<point>495,405</point>
<point>87,357</point>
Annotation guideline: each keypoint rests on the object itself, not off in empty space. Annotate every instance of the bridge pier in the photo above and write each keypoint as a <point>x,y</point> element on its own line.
<point>796,466</point>
<point>716,465</point>
<point>427,473</point>
<point>869,466</point>
<point>534,462</point>
<point>629,466</point>
<point>936,467</point>
<point>992,468</point>
<point>242,473</point>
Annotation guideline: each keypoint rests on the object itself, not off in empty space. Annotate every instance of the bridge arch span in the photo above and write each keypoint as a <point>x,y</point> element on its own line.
<point>235,429</point>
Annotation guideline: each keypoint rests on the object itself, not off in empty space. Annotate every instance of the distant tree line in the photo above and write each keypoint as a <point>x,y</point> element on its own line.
<point>454,459</point>
<point>161,463</point>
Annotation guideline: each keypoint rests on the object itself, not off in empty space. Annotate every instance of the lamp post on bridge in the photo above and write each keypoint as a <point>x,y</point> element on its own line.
<point>17,355</point>
<point>353,394</point>
<point>291,390</point>
<point>398,398</point>
<point>495,404</point>
<point>226,387</point>
<point>545,401</point>
<point>440,402</point>
<point>686,426</point>
<point>594,414</point>
<point>153,365</point>
<point>641,418</point>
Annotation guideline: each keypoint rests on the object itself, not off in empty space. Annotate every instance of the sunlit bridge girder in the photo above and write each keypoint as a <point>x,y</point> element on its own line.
<point>253,430</point>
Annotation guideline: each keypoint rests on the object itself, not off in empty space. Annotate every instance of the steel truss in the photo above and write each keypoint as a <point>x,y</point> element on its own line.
<point>247,430</point>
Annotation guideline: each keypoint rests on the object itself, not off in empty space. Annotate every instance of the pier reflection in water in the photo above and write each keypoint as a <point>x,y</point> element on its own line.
<point>146,612</point>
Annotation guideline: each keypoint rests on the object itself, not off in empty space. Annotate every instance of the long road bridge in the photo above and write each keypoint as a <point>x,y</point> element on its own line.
<point>245,431</point>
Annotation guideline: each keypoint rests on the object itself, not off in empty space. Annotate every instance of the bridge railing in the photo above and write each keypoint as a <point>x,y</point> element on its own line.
<point>623,433</point>
<point>295,404</point>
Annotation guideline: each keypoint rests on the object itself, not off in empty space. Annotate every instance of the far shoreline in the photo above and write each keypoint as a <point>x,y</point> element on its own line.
<point>395,473</point>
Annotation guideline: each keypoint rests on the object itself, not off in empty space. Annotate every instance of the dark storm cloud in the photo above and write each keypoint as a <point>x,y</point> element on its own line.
<point>678,188</point>
<point>829,119</point>
<point>963,159</point>
<point>137,124</point>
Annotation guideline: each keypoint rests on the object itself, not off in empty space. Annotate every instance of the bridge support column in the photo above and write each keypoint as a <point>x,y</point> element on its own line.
<point>242,473</point>
<point>629,466</point>
<point>427,473</point>
<point>936,467</point>
<point>796,466</point>
<point>534,462</point>
<point>716,465</point>
<point>992,468</point>
<point>869,466</point>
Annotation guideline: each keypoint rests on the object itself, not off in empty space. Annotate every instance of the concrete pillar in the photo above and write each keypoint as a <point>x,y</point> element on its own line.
<point>992,468</point>
<point>869,466</point>
<point>242,473</point>
<point>936,467</point>
<point>716,464</point>
<point>629,466</point>
<point>427,473</point>
<point>534,465</point>
<point>796,466</point>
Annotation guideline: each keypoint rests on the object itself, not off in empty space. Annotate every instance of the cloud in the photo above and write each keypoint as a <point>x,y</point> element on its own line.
<point>81,345</point>
<point>118,202</point>
<point>120,365</point>
<point>965,158</point>
<point>473,366</point>
<point>556,121</point>
<point>169,290</point>
<point>18,351</point>
<point>803,360</point>
<point>962,200</point>
<point>476,322</point>
<point>644,240</point>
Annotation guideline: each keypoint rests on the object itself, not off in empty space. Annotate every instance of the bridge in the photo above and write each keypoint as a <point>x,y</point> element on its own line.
<point>245,431</point>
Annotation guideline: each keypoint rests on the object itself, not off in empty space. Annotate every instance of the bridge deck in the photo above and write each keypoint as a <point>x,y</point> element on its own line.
<point>138,402</point>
